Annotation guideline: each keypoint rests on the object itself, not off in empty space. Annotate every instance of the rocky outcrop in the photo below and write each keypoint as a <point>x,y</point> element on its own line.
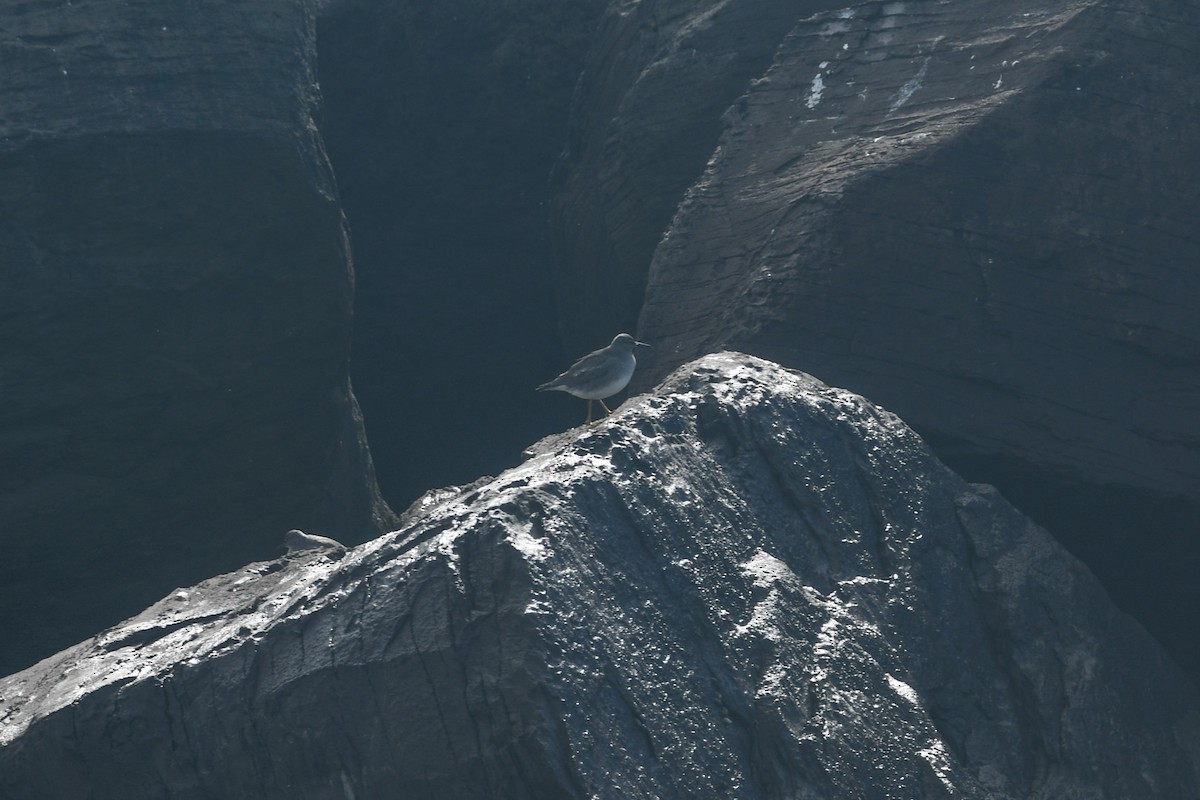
<point>175,309</point>
<point>978,215</point>
<point>746,584</point>
<point>970,216</point>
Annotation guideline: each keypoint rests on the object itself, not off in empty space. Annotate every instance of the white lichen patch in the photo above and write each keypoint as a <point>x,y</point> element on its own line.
<point>815,91</point>
<point>773,681</point>
<point>914,83</point>
<point>825,648</point>
<point>935,755</point>
<point>762,619</point>
<point>904,690</point>
<point>911,86</point>
<point>523,542</point>
<point>539,607</point>
<point>766,570</point>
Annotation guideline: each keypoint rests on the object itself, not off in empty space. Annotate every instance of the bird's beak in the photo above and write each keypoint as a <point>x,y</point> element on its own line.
<point>641,344</point>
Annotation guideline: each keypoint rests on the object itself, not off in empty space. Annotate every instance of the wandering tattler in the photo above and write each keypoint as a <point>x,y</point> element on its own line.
<point>600,374</point>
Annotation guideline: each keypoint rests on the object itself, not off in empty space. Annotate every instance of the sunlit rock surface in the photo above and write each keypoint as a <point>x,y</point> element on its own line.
<point>980,215</point>
<point>746,584</point>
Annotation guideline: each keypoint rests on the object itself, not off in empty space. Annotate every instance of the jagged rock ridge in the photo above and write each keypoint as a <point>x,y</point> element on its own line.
<point>746,584</point>
<point>979,215</point>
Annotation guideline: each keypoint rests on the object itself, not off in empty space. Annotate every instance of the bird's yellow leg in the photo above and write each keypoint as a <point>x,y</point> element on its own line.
<point>606,411</point>
<point>589,419</point>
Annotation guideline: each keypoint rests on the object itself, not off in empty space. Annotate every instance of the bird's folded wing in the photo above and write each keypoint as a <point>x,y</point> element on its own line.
<point>594,369</point>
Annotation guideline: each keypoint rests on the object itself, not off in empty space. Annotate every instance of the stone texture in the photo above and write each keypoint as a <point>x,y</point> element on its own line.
<point>747,584</point>
<point>175,308</point>
<point>980,215</point>
<point>973,220</point>
<point>647,113</point>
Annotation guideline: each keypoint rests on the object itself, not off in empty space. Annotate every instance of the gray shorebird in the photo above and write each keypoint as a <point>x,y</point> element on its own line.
<point>600,374</point>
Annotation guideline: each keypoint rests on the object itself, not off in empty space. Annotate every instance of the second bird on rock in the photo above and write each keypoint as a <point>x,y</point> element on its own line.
<point>600,374</point>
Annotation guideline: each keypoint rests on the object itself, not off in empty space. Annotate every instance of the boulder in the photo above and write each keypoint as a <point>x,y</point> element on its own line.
<point>979,215</point>
<point>744,584</point>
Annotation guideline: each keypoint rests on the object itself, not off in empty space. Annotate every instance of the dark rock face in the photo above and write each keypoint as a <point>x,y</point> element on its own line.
<point>443,122</point>
<point>175,309</point>
<point>747,584</point>
<point>945,227</point>
<point>979,215</point>
<point>646,117</point>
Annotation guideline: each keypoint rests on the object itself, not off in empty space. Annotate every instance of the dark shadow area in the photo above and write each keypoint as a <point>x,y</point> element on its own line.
<point>1142,548</point>
<point>175,317</point>
<point>442,124</point>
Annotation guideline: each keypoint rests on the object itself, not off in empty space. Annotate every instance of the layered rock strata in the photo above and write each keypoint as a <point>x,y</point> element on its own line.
<point>174,389</point>
<point>979,215</point>
<point>746,584</point>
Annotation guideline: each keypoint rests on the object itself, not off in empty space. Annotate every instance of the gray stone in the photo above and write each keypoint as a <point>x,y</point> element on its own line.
<point>297,541</point>
<point>745,584</point>
<point>175,311</point>
<point>980,215</point>
<point>976,215</point>
<point>646,116</point>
